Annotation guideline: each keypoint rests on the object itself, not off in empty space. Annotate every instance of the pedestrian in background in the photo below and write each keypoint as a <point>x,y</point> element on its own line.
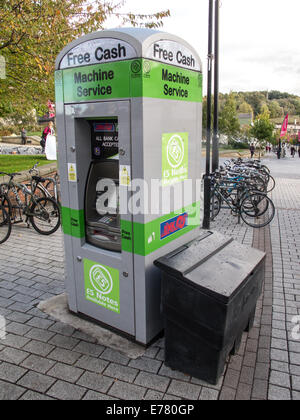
<point>278,152</point>
<point>48,130</point>
<point>23,136</point>
<point>283,150</point>
<point>293,151</point>
<point>252,150</point>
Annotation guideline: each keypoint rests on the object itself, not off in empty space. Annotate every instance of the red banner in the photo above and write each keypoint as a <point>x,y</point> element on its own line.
<point>284,126</point>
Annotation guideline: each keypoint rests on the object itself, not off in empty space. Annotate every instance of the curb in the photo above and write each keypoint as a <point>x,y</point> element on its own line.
<point>25,176</point>
<point>16,140</point>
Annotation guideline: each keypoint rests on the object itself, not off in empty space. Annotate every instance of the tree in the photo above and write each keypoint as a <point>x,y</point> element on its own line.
<point>264,109</point>
<point>262,129</point>
<point>245,108</point>
<point>228,119</point>
<point>33,32</point>
<point>275,109</point>
<point>255,99</point>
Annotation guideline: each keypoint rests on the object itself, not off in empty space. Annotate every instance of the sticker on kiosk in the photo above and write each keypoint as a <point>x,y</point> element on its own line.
<point>174,158</point>
<point>125,176</point>
<point>72,172</point>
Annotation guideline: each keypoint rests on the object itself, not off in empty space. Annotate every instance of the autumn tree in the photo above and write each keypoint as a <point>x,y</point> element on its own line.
<point>33,32</point>
<point>275,109</point>
<point>228,119</point>
<point>245,108</point>
<point>262,129</point>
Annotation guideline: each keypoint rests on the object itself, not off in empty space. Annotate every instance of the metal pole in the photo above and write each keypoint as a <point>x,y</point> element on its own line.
<point>209,85</point>
<point>207,180</point>
<point>215,143</point>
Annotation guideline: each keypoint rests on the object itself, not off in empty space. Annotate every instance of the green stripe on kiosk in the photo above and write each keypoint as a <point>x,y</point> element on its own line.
<point>129,123</point>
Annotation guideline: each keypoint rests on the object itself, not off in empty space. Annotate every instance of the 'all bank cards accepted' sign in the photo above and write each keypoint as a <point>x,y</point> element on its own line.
<point>174,158</point>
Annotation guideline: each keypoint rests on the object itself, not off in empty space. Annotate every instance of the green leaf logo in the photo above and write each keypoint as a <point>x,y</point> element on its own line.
<point>175,151</point>
<point>136,66</point>
<point>101,279</point>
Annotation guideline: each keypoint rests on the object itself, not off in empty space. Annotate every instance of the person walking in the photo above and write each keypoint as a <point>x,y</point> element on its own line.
<point>299,151</point>
<point>293,151</point>
<point>283,151</point>
<point>48,130</point>
<point>252,150</point>
<point>23,136</point>
<point>278,152</point>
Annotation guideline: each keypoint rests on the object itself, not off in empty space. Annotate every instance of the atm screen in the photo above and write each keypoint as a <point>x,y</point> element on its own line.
<point>105,141</point>
<point>102,205</point>
<point>109,205</point>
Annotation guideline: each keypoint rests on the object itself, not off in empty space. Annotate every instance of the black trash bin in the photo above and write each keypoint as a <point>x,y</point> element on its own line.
<point>210,289</point>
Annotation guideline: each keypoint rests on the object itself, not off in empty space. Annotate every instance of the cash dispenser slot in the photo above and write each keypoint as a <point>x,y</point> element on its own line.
<point>102,216</point>
<point>103,227</point>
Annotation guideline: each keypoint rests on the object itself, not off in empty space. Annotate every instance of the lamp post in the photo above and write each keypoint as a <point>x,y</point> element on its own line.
<point>213,13</point>
<point>207,179</point>
<point>209,85</point>
<point>215,143</point>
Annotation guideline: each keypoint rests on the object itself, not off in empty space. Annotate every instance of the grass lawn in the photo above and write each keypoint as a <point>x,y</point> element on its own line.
<point>35,133</point>
<point>18,163</point>
<point>233,150</point>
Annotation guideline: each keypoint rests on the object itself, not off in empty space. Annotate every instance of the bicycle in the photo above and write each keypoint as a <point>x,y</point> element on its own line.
<point>5,224</point>
<point>44,186</point>
<point>250,205</point>
<point>259,173</point>
<point>42,212</point>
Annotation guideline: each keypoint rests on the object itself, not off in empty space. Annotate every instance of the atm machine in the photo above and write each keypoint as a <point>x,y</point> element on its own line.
<point>129,117</point>
<point>103,228</point>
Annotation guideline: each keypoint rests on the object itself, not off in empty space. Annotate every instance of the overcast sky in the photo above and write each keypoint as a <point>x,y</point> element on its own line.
<point>259,39</point>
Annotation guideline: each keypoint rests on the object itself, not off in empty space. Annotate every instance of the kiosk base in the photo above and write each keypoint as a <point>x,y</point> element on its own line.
<point>118,332</point>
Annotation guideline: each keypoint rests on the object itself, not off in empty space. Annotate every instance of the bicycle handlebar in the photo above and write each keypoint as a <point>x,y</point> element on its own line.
<point>34,168</point>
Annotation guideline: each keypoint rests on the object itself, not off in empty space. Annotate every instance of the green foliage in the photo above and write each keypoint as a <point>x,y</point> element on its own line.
<point>279,104</point>
<point>262,129</point>
<point>233,144</point>
<point>273,104</point>
<point>294,141</point>
<point>276,111</point>
<point>33,32</point>
<point>245,108</point>
<point>228,119</point>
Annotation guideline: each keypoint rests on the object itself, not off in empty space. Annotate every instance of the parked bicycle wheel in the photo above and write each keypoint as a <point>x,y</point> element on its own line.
<point>265,169</point>
<point>8,200</point>
<point>215,206</point>
<point>45,216</point>
<point>254,205</point>
<point>258,183</point>
<point>5,225</point>
<point>6,204</point>
<point>257,210</point>
<point>271,184</point>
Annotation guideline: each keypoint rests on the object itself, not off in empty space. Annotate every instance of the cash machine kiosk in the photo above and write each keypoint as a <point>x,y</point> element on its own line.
<point>129,122</point>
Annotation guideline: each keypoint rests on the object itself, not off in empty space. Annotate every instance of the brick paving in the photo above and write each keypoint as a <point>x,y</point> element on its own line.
<point>45,359</point>
<point>285,350</point>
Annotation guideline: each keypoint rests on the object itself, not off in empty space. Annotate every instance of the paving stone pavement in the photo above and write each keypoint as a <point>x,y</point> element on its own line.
<point>45,359</point>
<point>285,346</point>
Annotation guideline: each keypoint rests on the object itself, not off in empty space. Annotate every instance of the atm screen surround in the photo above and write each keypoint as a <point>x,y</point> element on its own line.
<point>102,214</point>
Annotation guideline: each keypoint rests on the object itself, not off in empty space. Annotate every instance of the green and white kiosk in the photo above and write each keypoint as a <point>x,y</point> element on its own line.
<point>129,113</point>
